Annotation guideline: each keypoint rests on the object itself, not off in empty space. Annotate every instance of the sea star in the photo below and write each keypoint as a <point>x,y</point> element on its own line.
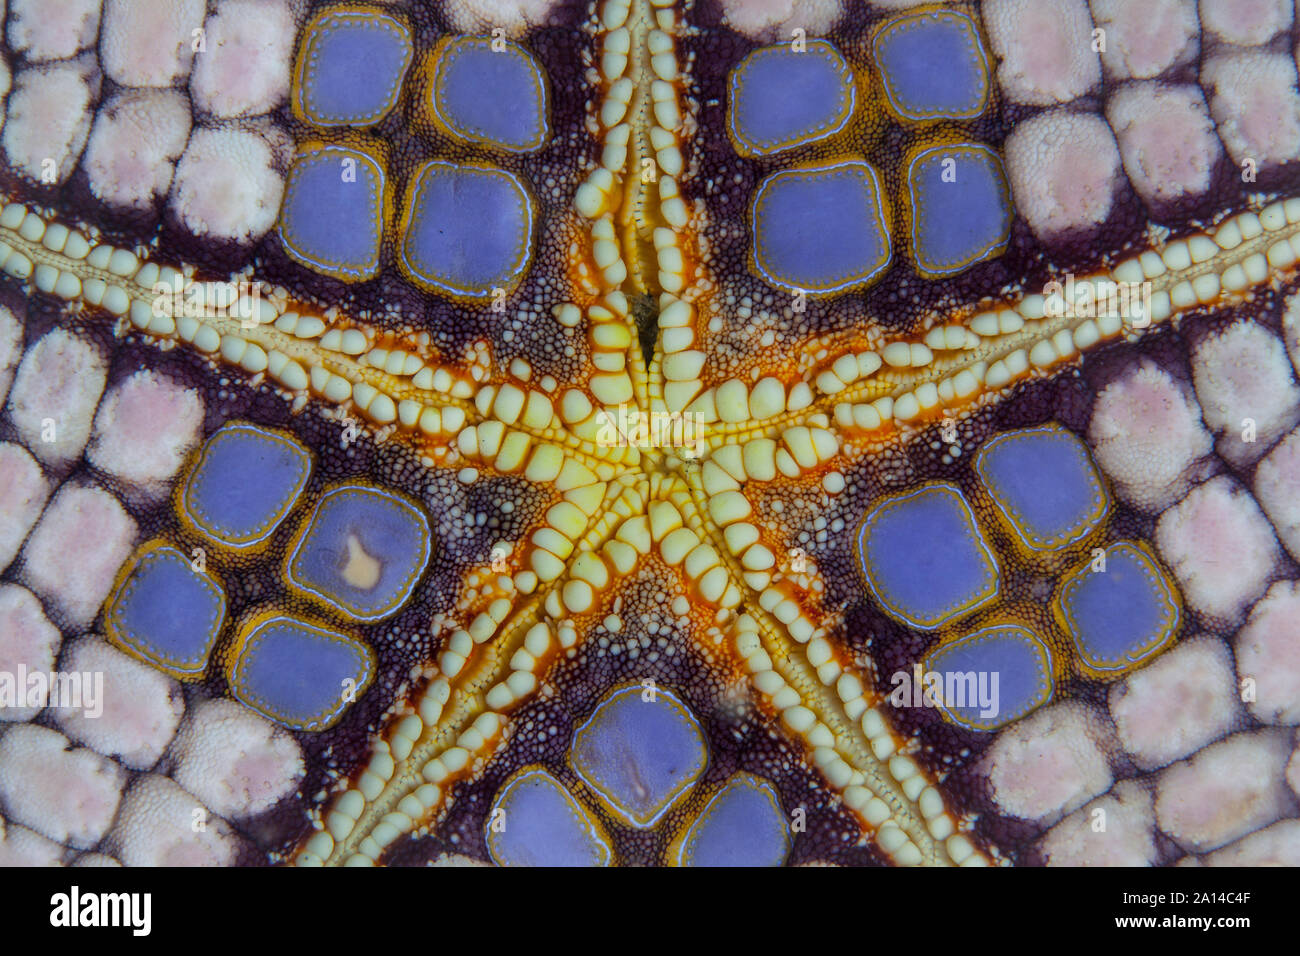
<point>622,448</point>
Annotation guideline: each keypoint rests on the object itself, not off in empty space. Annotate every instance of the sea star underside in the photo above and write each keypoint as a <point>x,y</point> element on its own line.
<point>649,432</point>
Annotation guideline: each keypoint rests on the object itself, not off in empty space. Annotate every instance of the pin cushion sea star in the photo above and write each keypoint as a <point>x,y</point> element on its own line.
<point>649,432</point>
